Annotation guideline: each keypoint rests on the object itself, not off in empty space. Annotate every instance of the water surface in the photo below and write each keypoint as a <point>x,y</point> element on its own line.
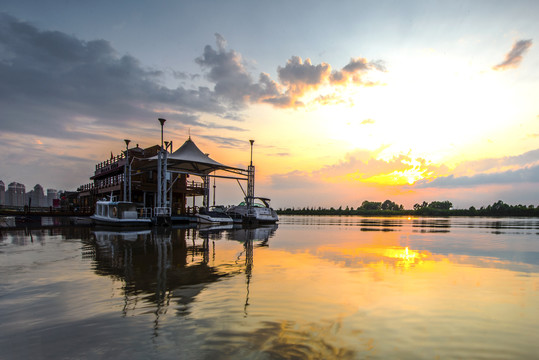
<point>311,288</point>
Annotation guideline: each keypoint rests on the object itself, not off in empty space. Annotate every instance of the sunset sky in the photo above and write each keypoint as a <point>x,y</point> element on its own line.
<point>347,101</point>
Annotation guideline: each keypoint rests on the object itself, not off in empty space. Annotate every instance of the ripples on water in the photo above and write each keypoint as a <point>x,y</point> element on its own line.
<point>313,288</point>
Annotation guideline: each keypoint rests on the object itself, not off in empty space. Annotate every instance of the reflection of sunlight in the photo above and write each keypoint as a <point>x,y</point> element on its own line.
<point>403,255</point>
<point>406,257</point>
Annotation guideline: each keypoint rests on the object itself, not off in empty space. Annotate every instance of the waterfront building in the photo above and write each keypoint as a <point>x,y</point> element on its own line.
<point>109,175</point>
<point>2,193</point>
<point>187,176</point>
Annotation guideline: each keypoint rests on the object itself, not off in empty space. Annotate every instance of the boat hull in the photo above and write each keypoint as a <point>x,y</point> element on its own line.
<point>122,223</point>
<point>254,215</point>
<point>208,219</point>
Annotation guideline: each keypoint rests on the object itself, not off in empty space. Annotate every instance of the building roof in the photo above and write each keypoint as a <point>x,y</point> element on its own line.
<point>189,158</point>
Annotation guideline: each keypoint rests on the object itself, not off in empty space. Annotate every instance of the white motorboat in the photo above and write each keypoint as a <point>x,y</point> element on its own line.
<point>259,212</point>
<point>118,213</point>
<point>215,215</point>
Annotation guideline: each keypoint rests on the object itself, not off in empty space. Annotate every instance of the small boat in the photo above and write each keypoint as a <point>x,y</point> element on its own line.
<point>215,215</point>
<point>259,212</point>
<point>118,213</point>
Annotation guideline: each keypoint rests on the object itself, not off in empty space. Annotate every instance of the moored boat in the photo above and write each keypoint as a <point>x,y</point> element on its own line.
<point>259,212</point>
<point>118,213</point>
<point>215,215</point>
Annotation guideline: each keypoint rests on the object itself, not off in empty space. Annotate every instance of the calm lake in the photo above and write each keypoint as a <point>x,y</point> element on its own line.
<point>309,288</point>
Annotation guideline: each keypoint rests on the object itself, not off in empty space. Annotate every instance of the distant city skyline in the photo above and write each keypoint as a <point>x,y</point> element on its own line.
<point>15,194</point>
<point>347,101</point>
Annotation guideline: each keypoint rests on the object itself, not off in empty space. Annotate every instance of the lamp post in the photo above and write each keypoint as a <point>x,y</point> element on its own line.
<point>127,172</point>
<point>251,141</point>
<point>251,179</point>
<point>161,170</point>
<point>162,121</point>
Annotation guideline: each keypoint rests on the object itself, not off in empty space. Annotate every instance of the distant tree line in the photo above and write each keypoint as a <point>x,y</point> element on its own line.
<point>435,208</point>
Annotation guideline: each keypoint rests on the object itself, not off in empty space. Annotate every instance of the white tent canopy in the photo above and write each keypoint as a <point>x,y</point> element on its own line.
<point>190,159</point>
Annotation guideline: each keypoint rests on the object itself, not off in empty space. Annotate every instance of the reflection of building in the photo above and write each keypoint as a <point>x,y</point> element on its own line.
<point>163,264</point>
<point>155,263</point>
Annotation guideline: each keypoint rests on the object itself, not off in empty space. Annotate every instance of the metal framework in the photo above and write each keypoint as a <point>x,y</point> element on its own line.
<point>198,164</point>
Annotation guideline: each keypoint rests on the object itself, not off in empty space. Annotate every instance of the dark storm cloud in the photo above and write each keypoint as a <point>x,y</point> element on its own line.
<point>514,57</point>
<point>50,81</point>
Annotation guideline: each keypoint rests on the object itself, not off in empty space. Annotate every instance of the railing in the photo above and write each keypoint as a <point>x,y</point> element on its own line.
<point>195,185</point>
<point>192,210</point>
<point>112,160</point>
<point>162,211</point>
<point>118,180</point>
<point>145,213</point>
<point>102,184</point>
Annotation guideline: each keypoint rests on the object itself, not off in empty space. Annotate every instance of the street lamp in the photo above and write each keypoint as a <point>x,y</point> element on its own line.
<point>251,179</point>
<point>251,141</point>
<point>126,171</point>
<point>162,121</point>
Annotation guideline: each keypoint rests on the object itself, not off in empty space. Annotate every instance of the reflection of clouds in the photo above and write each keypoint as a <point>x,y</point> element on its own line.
<point>406,257</point>
<point>282,340</point>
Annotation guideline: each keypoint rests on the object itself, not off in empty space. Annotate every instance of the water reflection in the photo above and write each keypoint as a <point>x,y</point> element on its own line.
<point>316,287</point>
<point>394,223</point>
<point>171,265</point>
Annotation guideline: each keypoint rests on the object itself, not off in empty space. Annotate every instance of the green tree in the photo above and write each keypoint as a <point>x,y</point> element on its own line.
<point>371,205</point>
<point>390,205</point>
<point>441,205</point>
<point>421,206</point>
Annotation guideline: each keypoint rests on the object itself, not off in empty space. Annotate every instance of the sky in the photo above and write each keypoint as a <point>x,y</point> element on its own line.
<point>347,101</point>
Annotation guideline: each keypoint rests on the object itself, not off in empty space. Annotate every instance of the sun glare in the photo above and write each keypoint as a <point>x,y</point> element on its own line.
<point>404,177</point>
<point>429,107</point>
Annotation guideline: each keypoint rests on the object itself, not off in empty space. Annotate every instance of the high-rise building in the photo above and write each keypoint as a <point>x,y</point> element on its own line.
<point>52,194</point>
<point>38,197</point>
<point>15,194</point>
<point>2,193</point>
